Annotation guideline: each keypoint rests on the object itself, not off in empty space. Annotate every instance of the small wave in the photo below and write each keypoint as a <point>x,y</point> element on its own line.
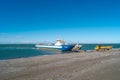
<point>14,48</point>
<point>45,55</point>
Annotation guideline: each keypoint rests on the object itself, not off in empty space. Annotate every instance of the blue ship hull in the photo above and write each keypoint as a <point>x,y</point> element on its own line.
<point>61,47</point>
<point>66,47</point>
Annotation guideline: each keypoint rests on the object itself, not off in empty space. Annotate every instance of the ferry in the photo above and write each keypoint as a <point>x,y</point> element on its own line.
<point>59,45</point>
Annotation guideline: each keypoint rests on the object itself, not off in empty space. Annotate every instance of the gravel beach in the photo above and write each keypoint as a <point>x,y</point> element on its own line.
<point>89,65</point>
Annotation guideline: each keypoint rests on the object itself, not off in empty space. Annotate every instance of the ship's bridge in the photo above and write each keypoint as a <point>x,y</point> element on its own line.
<point>59,42</point>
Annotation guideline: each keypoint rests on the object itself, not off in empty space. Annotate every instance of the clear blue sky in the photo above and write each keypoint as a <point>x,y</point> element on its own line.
<point>86,21</point>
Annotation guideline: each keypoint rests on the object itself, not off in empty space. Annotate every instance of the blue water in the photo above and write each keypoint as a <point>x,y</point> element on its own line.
<point>13,51</point>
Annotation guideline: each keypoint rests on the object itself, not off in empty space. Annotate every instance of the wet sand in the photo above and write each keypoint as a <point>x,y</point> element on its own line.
<point>88,65</point>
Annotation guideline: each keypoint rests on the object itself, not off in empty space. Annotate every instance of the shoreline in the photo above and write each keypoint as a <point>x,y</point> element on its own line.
<point>72,66</point>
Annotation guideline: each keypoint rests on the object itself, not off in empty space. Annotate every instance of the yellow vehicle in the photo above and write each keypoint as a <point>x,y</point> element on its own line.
<point>102,48</point>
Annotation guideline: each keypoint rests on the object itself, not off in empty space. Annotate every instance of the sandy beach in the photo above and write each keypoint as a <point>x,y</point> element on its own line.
<point>89,65</point>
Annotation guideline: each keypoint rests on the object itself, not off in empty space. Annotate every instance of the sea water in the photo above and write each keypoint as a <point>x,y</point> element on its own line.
<point>13,51</point>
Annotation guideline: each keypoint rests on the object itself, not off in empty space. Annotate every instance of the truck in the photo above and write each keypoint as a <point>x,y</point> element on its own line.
<point>102,48</point>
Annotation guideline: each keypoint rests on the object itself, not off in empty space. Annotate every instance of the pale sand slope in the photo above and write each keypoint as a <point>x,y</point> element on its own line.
<point>72,66</point>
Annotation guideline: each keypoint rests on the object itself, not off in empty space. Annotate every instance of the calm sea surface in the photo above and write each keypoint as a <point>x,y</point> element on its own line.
<point>12,51</point>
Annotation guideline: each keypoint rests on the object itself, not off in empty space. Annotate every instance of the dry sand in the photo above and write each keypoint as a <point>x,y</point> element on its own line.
<point>89,65</point>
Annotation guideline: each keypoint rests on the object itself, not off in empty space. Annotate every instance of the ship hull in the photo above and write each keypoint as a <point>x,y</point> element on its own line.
<point>61,47</point>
